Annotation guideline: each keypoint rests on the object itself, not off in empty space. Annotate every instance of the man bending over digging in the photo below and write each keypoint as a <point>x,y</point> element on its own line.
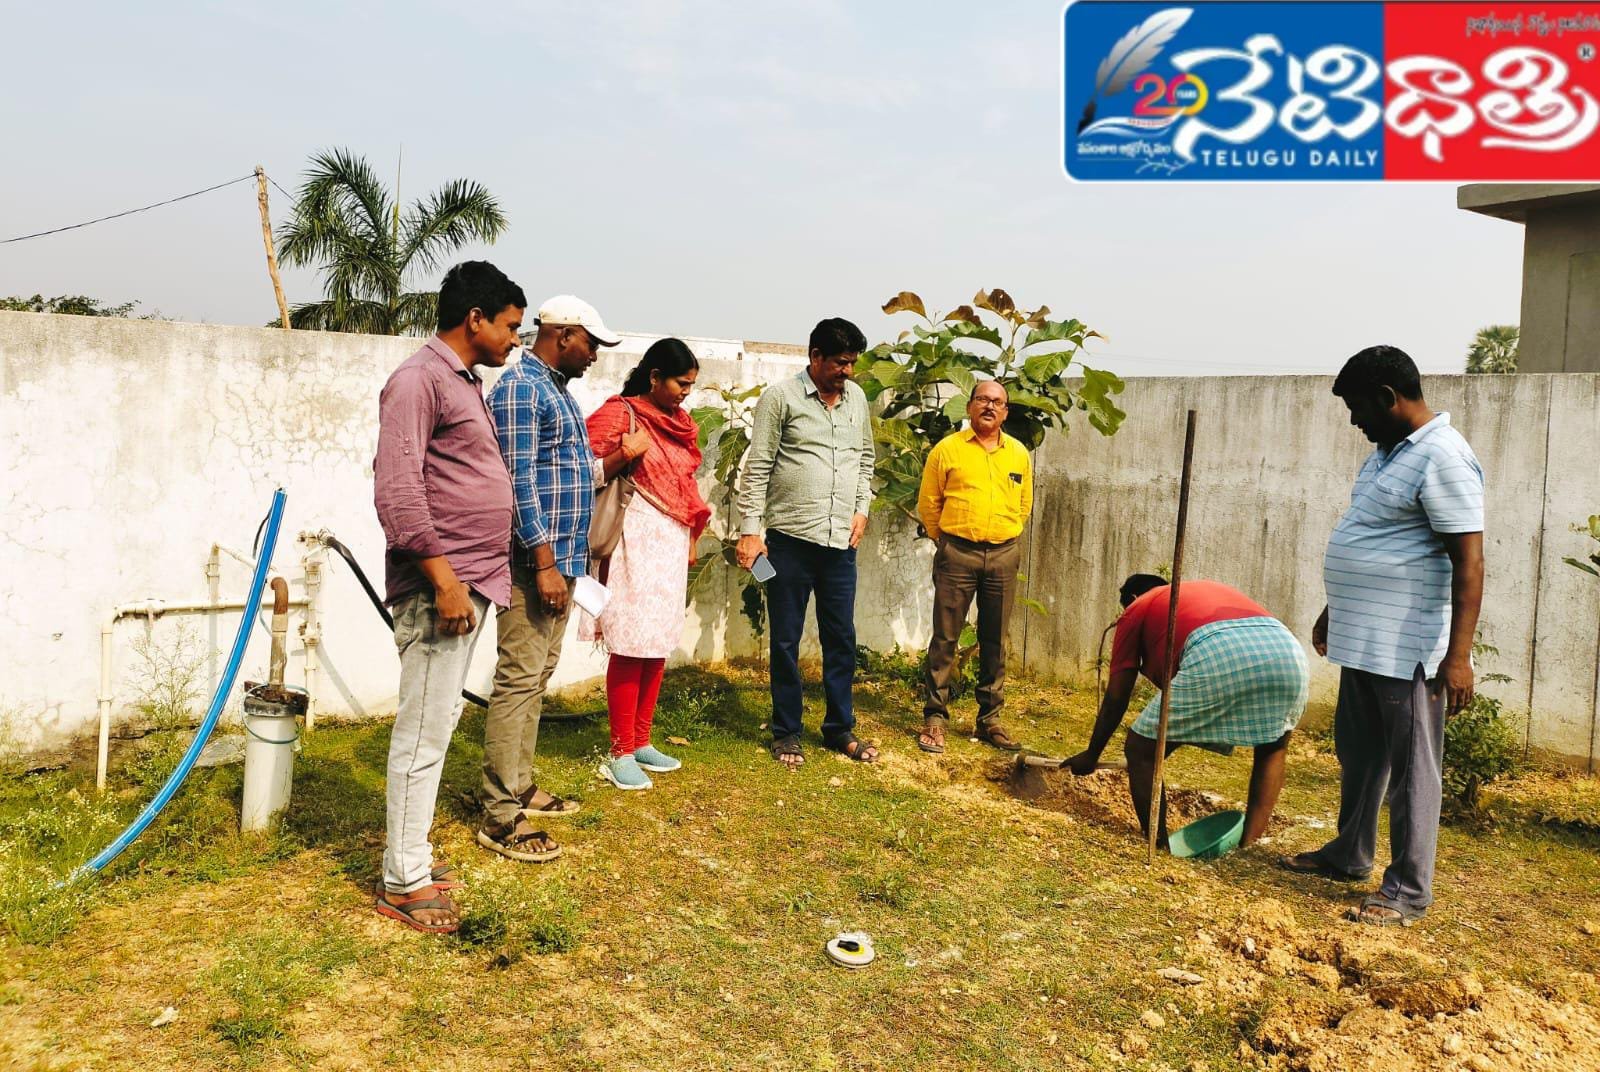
<point>1240,681</point>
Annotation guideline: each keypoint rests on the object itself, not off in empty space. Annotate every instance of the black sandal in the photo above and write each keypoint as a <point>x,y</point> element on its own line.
<point>1310,863</point>
<point>1405,915</point>
<point>555,806</point>
<point>852,747</point>
<point>787,746</point>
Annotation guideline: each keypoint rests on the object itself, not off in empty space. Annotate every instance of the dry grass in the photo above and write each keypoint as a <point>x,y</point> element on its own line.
<point>684,927</point>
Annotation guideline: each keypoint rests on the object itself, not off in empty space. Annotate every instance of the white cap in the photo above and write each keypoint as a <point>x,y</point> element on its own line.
<point>567,310</point>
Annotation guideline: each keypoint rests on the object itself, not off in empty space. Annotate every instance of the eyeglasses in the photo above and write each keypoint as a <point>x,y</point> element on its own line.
<point>989,403</point>
<point>588,337</point>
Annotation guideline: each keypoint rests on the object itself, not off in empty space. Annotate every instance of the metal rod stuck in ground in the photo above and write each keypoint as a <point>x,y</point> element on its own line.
<point>1157,789</point>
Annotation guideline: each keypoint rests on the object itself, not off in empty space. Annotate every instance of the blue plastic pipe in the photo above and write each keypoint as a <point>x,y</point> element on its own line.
<point>219,700</point>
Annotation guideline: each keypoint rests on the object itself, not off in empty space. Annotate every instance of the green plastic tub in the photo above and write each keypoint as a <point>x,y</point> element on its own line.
<point>1207,838</point>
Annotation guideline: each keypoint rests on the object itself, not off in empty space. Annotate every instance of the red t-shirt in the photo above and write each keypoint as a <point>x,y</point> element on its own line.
<point>1141,638</point>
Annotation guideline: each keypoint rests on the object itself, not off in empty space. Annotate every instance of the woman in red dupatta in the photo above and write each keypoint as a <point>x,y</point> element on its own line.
<point>647,574</point>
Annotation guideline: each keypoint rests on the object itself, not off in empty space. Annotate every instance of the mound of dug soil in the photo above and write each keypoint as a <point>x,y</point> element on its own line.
<point>1379,1004</point>
<point>1102,797</point>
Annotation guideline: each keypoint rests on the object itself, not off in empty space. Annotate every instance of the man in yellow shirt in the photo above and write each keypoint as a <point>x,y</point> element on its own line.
<point>977,491</point>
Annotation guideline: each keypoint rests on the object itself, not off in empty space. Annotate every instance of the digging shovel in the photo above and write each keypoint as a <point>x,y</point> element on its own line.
<point>1027,774</point>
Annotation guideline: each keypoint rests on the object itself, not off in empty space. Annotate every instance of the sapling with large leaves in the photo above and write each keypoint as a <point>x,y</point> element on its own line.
<point>918,388</point>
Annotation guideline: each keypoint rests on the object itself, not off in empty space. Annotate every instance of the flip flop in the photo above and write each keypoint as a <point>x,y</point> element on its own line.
<point>425,899</point>
<point>444,879</point>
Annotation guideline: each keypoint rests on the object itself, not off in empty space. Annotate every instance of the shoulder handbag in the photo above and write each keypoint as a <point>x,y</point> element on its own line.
<point>610,504</point>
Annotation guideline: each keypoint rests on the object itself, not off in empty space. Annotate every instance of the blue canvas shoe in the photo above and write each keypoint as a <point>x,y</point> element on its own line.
<point>624,773</point>
<point>652,760</point>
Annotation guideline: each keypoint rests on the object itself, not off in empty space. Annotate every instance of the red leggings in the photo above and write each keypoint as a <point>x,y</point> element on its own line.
<point>632,686</point>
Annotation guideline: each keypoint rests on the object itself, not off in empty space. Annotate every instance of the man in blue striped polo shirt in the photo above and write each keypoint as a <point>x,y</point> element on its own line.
<point>545,445</point>
<point>1404,576</point>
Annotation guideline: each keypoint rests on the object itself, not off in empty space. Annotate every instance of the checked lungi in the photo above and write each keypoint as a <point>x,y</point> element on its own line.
<point>1240,683</point>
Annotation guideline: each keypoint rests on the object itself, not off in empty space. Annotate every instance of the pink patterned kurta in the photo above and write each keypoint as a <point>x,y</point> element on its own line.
<point>648,581</point>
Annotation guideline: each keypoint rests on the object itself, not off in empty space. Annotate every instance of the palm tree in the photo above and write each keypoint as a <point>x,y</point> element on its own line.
<point>345,224</point>
<point>1494,349</point>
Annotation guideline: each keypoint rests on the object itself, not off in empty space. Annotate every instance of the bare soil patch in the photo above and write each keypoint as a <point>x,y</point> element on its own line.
<point>1102,797</point>
<point>1381,1003</point>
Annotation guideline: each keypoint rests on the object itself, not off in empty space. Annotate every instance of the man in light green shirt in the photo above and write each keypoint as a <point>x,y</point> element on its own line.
<point>808,484</point>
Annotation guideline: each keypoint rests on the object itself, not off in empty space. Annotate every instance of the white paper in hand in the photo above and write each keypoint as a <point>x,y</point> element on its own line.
<point>591,596</point>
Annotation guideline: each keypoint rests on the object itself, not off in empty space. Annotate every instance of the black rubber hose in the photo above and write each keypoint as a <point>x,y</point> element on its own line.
<point>377,600</point>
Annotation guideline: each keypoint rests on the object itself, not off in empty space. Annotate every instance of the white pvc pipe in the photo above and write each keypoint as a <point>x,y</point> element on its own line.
<point>268,766</point>
<point>311,628</point>
<point>151,609</point>
<point>214,589</point>
<point>271,731</point>
<point>232,553</point>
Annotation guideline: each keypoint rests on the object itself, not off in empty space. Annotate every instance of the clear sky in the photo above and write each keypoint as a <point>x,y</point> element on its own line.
<point>719,168</point>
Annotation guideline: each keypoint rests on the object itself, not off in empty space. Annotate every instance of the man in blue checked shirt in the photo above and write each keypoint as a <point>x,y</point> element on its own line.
<point>1404,575</point>
<point>553,476</point>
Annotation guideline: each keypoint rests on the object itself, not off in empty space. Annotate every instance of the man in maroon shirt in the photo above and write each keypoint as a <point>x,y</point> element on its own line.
<point>444,501</point>
<point>1241,680</point>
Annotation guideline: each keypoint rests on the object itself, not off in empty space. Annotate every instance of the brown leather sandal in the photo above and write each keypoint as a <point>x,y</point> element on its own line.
<point>554,806</point>
<point>852,747</point>
<point>519,841</point>
<point>995,734</point>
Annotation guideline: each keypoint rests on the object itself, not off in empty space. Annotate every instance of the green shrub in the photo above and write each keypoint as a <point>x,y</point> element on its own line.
<point>508,920</point>
<point>687,712</point>
<point>248,1029</point>
<point>891,887</point>
<point>889,666</point>
<point>1481,744</point>
<point>46,831</point>
<point>487,926</point>
<point>38,909</point>
<point>267,972</point>
<point>910,668</point>
<point>1591,529</point>
<point>554,926</point>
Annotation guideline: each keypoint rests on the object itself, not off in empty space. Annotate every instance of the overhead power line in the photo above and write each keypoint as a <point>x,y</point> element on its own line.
<point>131,211</point>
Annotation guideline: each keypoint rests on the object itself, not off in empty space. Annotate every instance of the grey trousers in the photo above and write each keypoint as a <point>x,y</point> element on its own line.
<point>1389,737</point>
<point>963,570</point>
<point>433,671</point>
<point>529,648</point>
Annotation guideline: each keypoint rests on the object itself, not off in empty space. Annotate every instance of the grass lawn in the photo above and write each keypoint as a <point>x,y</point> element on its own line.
<point>683,928</point>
